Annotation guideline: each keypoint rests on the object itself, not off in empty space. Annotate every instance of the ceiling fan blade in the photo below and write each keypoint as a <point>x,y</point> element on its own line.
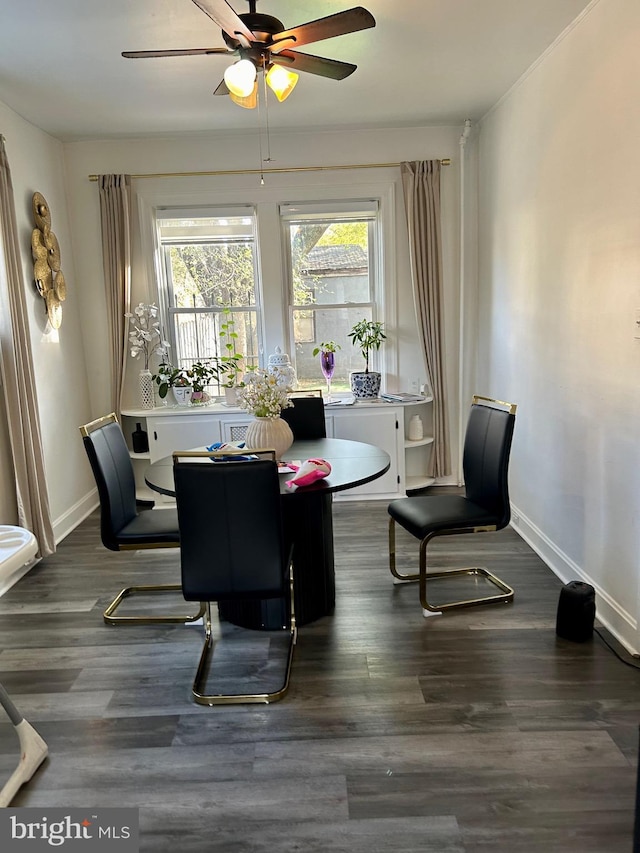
<point>194,51</point>
<point>295,61</point>
<point>349,21</point>
<point>223,15</point>
<point>221,89</point>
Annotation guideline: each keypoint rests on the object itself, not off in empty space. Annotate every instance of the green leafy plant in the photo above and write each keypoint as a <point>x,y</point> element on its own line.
<point>327,346</point>
<point>169,376</point>
<point>201,373</point>
<point>231,363</point>
<point>368,335</point>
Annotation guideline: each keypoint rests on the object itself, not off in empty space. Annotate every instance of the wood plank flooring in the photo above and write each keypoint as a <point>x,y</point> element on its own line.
<point>475,731</point>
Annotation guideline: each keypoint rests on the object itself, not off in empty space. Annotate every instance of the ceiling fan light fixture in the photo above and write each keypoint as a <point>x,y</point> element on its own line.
<point>250,102</point>
<point>281,82</point>
<point>240,78</point>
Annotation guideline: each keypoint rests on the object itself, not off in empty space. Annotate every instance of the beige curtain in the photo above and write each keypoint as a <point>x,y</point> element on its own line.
<point>115,217</point>
<point>19,384</point>
<point>421,185</point>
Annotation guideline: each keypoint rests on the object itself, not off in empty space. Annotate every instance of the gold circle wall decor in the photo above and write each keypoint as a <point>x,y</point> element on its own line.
<point>45,251</point>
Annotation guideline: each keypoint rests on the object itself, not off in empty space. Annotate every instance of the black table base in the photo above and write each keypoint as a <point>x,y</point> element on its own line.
<point>308,524</point>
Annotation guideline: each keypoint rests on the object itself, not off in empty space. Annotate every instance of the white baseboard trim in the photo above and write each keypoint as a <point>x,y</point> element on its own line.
<point>610,613</point>
<point>69,520</point>
<point>62,527</point>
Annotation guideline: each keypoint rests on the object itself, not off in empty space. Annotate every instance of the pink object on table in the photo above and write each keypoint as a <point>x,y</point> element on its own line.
<point>310,471</point>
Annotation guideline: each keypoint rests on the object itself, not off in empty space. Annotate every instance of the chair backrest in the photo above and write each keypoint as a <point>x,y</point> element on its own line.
<point>111,465</point>
<point>485,462</point>
<point>306,418</point>
<point>230,526</point>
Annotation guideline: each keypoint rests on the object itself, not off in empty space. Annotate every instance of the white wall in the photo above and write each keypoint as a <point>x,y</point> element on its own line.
<point>206,152</point>
<point>37,164</point>
<point>559,286</point>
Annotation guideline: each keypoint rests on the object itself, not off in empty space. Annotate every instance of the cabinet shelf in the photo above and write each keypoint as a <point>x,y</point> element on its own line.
<point>428,439</point>
<point>414,483</point>
<point>145,455</point>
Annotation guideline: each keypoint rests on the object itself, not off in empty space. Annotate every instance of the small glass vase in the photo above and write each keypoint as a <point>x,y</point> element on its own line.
<point>328,365</point>
<point>264,433</point>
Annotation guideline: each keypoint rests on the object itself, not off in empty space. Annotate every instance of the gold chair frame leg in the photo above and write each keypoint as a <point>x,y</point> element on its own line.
<point>392,556</point>
<point>505,595</point>
<point>171,619</point>
<point>199,685</point>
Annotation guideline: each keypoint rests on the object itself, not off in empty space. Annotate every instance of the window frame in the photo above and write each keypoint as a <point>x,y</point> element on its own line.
<point>166,290</point>
<point>329,212</point>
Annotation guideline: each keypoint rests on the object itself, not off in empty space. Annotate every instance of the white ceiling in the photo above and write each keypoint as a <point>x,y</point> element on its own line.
<point>425,62</point>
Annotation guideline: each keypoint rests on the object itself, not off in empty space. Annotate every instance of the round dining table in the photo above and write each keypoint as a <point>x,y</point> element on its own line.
<point>308,525</point>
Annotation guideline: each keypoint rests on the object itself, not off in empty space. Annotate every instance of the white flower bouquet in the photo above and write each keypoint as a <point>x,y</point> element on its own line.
<point>145,338</point>
<point>262,396</point>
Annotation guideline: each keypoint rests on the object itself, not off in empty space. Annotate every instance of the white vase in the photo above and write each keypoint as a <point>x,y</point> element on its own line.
<point>231,396</point>
<point>274,433</point>
<point>416,431</point>
<point>146,389</point>
<point>182,394</point>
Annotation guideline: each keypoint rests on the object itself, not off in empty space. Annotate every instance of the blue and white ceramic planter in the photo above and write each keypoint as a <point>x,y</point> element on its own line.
<point>365,385</point>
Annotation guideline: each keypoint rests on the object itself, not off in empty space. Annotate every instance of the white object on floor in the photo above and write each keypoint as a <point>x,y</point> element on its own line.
<point>427,613</point>
<point>18,547</point>
<point>33,751</point>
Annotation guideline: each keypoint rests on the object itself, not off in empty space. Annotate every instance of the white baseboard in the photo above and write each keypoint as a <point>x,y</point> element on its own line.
<point>62,527</point>
<point>67,522</point>
<point>610,613</point>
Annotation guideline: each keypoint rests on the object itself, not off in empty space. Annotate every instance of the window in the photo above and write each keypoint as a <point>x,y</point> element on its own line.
<point>209,271</point>
<point>333,263</point>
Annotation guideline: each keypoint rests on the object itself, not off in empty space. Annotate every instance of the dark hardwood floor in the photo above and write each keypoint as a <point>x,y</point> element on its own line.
<point>478,730</point>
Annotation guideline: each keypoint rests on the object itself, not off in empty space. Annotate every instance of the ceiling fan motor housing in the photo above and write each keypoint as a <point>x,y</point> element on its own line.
<point>262,26</point>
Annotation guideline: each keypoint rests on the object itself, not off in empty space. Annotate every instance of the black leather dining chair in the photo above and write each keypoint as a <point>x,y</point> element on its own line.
<point>122,527</point>
<point>483,508</point>
<point>306,416</point>
<point>245,559</point>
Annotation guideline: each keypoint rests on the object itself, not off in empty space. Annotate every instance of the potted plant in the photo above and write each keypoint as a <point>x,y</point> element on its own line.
<point>368,335</point>
<point>200,375</point>
<point>327,350</point>
<point>230,365</point>
<point>176,378</point>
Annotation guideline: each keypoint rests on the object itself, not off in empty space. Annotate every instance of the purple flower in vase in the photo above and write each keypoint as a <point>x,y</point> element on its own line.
<point>327,364</point>
<point>327,361</point>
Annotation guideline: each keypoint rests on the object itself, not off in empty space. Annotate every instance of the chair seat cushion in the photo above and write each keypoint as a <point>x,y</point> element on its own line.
<point>422,515</point>
<point>151,526</point>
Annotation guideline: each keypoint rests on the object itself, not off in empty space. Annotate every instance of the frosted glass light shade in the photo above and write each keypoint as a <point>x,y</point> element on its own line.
<point>250,102</point>
<point>240,78</point>
<point>281,81</point>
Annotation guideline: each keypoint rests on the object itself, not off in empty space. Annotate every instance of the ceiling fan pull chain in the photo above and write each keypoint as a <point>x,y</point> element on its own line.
<point>260,142</point>
<point>266,108</point>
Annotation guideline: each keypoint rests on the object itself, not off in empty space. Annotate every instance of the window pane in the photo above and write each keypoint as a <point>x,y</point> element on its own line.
<point>212,274</point>
<point>332,286</point>
<point>200,338</point>
<point>330,262</point>
<point>331,324</point>
<point>210,266</point>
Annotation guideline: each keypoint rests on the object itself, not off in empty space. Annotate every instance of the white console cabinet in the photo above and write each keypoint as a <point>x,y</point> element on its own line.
<point>375,422</point>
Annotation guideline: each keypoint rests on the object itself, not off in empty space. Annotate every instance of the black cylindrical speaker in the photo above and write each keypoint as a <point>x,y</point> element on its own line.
<point>576,611</point>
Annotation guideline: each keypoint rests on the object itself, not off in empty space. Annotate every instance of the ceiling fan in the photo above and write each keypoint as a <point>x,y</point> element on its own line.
<point>263,44</point>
